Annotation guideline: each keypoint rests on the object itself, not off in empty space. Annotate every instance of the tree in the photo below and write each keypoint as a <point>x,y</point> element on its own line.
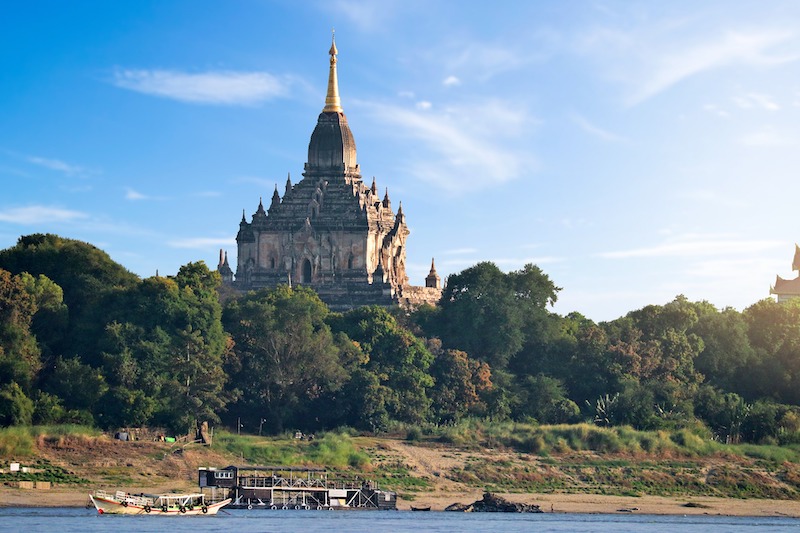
<point>78,384</point>
<point>544,399</point>
<point>88,278</point>
<point>19,352</point>
<point>727,359</point>
<point>285,353</point>
<point>636,406</point>
<point>655,350</point>
<point>588,364</point>
<point>723,412</point>
<point>774,333</point>
<point>51,319</point>
<point>396,357</point>
<point>206,344</point>
<point>48,409</point>
<point>460,383</point>
<point>366,408</point>
<point>163,349</point>
<point>487,313</point>
<point>16,409</point>
<point>123,407</point>
<point>761,424</point>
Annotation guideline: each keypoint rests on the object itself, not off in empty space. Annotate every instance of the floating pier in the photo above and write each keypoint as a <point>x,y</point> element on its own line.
<point>283,488</point>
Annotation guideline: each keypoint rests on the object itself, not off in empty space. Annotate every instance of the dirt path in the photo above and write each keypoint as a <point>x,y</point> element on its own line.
<point>429,463</point>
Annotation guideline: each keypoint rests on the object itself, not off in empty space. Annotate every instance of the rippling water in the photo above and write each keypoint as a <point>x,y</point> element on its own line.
<point>58,520</point>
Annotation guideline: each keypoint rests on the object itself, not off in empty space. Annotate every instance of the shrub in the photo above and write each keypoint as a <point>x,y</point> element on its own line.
<point>16,442</point>
<point>414,434</point>
<point>16,409</point>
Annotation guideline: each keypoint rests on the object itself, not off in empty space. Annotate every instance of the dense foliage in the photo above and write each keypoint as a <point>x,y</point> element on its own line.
<point>84,341</point>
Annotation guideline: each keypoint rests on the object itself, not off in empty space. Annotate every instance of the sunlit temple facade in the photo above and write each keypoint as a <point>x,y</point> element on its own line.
<point>330,231</point>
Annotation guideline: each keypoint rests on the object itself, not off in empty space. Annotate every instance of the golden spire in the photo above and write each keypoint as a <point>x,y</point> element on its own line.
<point>332,102</point>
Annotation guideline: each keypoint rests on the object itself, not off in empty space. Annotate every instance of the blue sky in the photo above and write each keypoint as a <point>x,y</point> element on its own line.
<point>633,150</point>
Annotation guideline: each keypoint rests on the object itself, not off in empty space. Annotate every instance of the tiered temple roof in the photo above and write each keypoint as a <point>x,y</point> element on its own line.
<point>786,289</point>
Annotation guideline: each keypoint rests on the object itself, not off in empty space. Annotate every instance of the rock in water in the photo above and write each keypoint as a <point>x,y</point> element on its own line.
<point>495,504</point>
<point>458,507</point>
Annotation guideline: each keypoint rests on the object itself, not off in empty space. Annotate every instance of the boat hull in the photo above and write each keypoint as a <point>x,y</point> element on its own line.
<point>111,506</point>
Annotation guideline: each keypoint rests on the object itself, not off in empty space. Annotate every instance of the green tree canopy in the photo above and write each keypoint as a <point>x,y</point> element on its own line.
<point>87,276</point>
<point>286,356</point>
<point>399,359</point>
<point>774,333</point>
<point>461,384</point>
<point>164,337</point>
<point>490,314</point>
<point>16,409</point>
<point>19,351</point>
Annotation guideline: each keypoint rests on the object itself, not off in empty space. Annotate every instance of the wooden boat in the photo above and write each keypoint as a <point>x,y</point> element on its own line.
<point>428,508</point>
<point>122,502</point>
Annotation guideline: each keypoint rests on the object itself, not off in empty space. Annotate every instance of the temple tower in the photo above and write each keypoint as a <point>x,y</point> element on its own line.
<point>329,231</point>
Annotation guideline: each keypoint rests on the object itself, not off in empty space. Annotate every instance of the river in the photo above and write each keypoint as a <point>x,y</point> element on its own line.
<point>60,520</point>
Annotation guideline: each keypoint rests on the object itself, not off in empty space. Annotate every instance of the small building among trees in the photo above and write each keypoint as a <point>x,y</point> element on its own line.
<point>786,289</point>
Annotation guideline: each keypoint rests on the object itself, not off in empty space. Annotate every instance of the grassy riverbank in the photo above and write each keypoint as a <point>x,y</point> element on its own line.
<point>434,466</point>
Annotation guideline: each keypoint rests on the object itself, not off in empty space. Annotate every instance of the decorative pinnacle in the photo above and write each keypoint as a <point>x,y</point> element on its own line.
<point>332,102</point>
<point>796,261</point>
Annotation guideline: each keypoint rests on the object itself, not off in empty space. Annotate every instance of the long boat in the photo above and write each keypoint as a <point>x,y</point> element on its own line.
<point>122,502</point>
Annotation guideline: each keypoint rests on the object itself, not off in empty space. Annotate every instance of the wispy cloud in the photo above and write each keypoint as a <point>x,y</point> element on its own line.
<point>732,48</point>
<point>486,60</point>
<point>594,130</point>
<point>716,110</point>
<point>57,165</point>
<point>201,243</point>
<point>368,16</point>
<point>654,58</point>
<point>695,246</point>
<point>40,214</point>
<point>215,87</point>
<point>756,100</point>
<point>133,195</point>
<point>463,147</point>
<point>13,172</point>
<point>450,81</point>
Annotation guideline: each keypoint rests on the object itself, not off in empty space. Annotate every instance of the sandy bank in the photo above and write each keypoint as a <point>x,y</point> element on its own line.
<point>559,503</point>
<point>600,504</point>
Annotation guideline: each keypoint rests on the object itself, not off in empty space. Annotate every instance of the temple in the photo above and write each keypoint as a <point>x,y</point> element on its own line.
<point>330,231</point>
<point>786,289</point>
